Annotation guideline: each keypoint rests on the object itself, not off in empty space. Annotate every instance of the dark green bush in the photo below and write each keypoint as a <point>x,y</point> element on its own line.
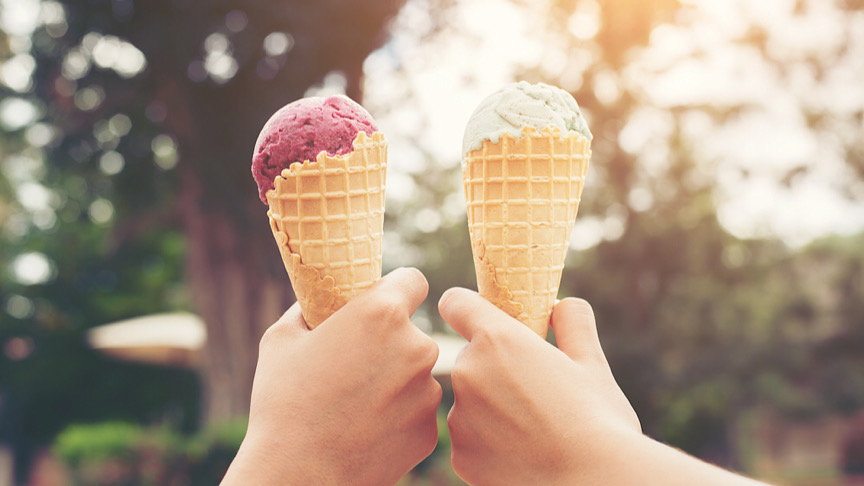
<point>123,454</point>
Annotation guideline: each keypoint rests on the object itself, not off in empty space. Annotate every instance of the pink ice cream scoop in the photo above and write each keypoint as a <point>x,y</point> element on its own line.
<point>301,130</point>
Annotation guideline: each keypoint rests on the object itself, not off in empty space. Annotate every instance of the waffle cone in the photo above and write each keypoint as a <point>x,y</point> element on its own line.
<point>327,217</point>
<point>523,194</point>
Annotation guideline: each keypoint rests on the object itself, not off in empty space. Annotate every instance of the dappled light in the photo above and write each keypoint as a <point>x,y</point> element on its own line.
<point>32,268</point>
<point>718,239</point>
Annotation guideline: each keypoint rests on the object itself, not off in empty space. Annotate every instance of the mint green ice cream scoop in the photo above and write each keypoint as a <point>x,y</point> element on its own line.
<point>522,104</point>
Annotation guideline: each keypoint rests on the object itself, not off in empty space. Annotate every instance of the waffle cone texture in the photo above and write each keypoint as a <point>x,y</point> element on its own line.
<point>327,217</point>
<point>523,194</point>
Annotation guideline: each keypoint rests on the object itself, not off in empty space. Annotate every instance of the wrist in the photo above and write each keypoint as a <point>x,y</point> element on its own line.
<point>266,460</point>
<point>609,455</point>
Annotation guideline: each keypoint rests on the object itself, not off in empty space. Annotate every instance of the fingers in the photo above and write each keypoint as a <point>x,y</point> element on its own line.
<point>466,312</point>
<point>575,328</point>
<point>409,282</point>
<point>397,294</point>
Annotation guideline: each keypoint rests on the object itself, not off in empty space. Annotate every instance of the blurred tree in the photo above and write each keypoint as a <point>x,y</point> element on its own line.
<point>48,376</point>
<point>699,325</point>
<point>148,115</point>
<point>693,318</point>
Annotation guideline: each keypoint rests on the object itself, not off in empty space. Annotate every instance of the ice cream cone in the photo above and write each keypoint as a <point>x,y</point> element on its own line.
<point>523,194</point>
<point>327,217</point>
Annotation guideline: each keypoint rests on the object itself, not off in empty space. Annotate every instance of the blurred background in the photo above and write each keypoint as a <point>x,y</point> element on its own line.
<point>720,237</point>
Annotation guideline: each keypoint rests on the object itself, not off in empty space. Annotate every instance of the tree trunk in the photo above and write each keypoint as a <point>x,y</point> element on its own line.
<point>239,288</point>
<point>238,283</point>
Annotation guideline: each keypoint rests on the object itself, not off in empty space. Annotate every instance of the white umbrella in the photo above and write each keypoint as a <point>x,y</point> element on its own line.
<point>178,339</point>
<point>175,339</point>
<point>449,348</point>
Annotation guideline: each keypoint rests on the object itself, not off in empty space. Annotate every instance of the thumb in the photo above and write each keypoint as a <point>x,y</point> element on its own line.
<point>575,329</point>
<point>467,313</point>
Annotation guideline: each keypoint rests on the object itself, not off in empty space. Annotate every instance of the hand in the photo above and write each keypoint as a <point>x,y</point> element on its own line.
<point>526,412</point>
<point>351,402</point>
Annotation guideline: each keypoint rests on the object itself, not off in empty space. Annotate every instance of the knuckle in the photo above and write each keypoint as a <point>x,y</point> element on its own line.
<point>427,352</point>
<point>481,338</point>
<point>452,419</point>
<point>460,377</point>
<point>271,334</point>
<point>386,307</point>
<point>266,337</point>
<point>436,392</point>
<point>504,336</point>
<point>487,335</point>
<point>491,342</point>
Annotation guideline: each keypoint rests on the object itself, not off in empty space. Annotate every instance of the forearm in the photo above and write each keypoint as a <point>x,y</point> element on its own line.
<point>258,463</point>
<point>642,460</point>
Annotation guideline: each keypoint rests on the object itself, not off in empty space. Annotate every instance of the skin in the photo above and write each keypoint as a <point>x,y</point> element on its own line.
<point>354,401</point>
<point>351,402</point>
<point>526,412</point>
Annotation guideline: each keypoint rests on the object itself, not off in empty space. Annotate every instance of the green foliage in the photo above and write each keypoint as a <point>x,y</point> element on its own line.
<point>699,326</point>
<point>210,452</point>
<point>92,285</point>
<point>83,443</point>
<point>120,453</point>
<point>435,469</point>
<point>226,435</point>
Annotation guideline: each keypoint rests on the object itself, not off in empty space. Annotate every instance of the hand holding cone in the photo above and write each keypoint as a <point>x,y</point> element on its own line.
<point>523,191</point>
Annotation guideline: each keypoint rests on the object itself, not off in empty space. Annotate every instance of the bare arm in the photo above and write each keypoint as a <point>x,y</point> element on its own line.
<point>526,412</point>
